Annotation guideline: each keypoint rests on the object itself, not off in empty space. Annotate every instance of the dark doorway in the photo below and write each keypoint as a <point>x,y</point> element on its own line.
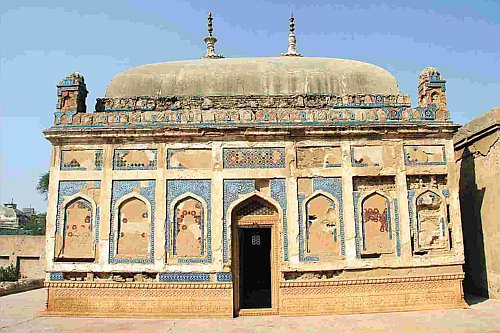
<point>255,268</point>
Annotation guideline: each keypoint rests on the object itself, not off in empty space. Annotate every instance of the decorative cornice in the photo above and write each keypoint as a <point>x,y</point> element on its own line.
<point>176,103</point>
<point>372,281</point>
<point>138,285</point>
<point>258,132</point>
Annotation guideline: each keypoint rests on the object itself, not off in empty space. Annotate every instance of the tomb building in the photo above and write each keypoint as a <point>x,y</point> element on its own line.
<point>222,187</point>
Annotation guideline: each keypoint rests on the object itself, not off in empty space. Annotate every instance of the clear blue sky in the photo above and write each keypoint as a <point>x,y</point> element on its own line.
<point>43,41</point>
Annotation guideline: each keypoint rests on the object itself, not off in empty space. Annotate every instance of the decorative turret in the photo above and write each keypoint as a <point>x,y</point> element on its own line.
<point>432,93</point>
<point>210,41</point>
<point>292,42</point>
<point>71,94</point>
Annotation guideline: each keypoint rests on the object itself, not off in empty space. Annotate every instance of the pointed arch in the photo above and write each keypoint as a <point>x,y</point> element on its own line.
<point>430,214</point>
<point>132,227</point>
<point>255,194</point>
<point>376,225</point>
<point>75,241</point>
<point>188,216</point>
<point>321,212</point>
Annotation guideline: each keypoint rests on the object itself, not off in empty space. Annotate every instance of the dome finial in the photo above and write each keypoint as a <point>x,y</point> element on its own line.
<point>292,42</point>
<point>211,40</point>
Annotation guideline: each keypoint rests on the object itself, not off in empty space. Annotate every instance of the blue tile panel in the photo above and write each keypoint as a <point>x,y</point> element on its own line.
<point>203,189</point>
<point>353,162</point>
<point>232,190</point>
<point>224,277</point>
<point>98,159</point>
<point>333,186</point>
<point>411,208</point>
<point>278,193</point>
<point>415,147</point>
<point>184,277</point>
<point>254,158</point>
<point>356,195</point>
<point>120,189</point>
<point>66,189</point>
<point>120,165</point>
<point>75,165</point>
<point>56,276</point>
<point>171,152</point>
<point>302,257</point>
<point>398,236</point>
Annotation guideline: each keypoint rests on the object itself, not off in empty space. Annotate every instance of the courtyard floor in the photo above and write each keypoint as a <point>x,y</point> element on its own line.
<point>20,313</point>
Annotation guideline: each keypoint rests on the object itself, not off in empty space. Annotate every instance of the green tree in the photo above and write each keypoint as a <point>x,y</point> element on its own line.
<point>43,184</point>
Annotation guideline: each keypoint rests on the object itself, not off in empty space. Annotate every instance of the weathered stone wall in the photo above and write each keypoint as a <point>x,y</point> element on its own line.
<point>28,252</point>
<point>477,150</point>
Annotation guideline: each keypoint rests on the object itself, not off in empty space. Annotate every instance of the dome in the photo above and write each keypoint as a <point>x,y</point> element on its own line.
<point>253,76</point>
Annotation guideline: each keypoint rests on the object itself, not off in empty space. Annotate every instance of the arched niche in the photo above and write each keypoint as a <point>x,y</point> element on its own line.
<point>134,228</point>
<point>376,224</point>
<point>76,239</point>
<point>322,227</point>
<point>188,227</point>
<point>431,217</point>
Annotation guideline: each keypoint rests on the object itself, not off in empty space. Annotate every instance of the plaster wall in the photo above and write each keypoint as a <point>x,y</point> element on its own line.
<point>28,252</point>
<point>477,156</point>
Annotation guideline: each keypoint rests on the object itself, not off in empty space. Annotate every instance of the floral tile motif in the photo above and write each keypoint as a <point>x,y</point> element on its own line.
<point>254,158</point>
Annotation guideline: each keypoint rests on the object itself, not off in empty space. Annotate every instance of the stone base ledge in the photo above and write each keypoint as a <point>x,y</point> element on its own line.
<point>296,298</point>
<point>7,288</point>
<point>145,300</point>
<point>372,295</point>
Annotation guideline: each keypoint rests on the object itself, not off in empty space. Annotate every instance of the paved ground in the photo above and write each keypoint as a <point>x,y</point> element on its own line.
<point>19,313</point>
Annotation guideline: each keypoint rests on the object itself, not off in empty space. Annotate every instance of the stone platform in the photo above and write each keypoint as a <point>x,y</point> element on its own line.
<point>20,313</point>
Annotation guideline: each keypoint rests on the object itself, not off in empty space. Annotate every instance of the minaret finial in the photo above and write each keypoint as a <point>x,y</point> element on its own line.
<point>210,27</point>
<point>211,40</point>
<point>292,42</point>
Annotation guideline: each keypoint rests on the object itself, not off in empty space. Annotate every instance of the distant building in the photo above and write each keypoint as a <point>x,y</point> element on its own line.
<point>29,211</point>
<point>11,217</point>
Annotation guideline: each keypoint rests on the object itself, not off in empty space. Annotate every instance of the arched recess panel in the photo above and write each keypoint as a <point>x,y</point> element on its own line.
<point>376,225</point>
<point>431,229</point>
<point>255,208</point>
<point>77,238</point>
<point>322,228</point>
<point>188,229</point>
<point>133,229</point>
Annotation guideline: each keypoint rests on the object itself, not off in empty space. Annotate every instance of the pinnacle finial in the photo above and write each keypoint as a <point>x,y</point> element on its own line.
<point>210,27</point>
<point>210,40</point>
<point>292,41</point>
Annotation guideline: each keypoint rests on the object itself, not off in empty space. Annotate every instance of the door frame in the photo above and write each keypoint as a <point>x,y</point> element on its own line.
<point>254,221</point>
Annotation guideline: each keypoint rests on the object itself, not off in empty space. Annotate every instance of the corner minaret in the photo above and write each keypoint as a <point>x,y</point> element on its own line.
<point>210,41</point>
<point>432,93</point>
<point>71,94</point>
<point>292,42</point>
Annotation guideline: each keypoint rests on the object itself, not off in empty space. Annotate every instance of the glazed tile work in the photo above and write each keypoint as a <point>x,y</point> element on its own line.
<point>188,235</point>
<point>321,222</point>
<point>254,158</point>
<point>149,196</point>
<point>132,220</point>
<point>135,159</point>
<point>424,155</point>
<point>81,160</point>
<point>77,220</point>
